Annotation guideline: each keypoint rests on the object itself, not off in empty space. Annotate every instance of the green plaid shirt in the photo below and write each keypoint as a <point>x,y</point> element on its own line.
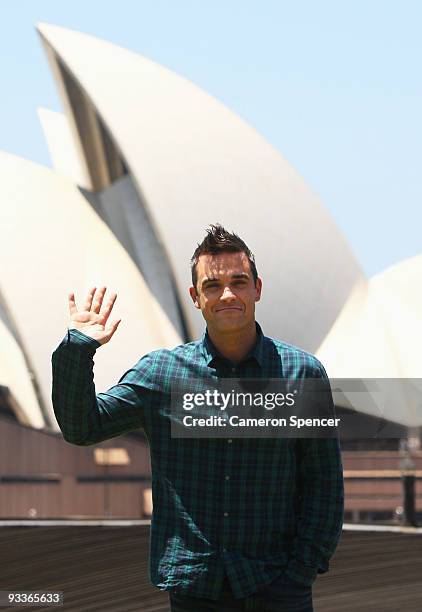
<point>247,508</point>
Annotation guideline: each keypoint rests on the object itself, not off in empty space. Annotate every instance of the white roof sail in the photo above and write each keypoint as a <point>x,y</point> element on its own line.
<point>398,292</point>
<point>14,375</point>
<point>55,243</point>
<point>378,335</point>
<point>195,162</point>
<point>61,146</point>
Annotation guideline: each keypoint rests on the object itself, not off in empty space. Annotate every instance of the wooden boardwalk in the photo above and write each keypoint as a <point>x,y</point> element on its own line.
<point>105,568</point>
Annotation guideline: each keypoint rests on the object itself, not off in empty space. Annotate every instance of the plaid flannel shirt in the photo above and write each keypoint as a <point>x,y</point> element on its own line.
<point>247,508</point>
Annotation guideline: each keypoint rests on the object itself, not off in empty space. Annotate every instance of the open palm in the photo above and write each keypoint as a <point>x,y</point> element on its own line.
<point>92,319</point>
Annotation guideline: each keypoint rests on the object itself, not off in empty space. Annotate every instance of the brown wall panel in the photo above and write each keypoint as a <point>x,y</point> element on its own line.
<point>28,452</point>
<point>25,452</point>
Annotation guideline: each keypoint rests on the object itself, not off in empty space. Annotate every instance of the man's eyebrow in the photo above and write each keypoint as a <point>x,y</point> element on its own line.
<point>211,279</point>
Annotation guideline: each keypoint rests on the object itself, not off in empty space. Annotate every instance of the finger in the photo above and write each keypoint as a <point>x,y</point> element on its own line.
<point>90,297</point>
<point>98,300</point>
<point>72,304</point>
<point>105,311</point>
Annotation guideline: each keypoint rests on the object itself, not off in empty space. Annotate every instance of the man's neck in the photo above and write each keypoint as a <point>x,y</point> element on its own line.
<point>234,345</point>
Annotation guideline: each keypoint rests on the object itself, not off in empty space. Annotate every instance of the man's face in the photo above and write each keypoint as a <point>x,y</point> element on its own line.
<point>225,291</point>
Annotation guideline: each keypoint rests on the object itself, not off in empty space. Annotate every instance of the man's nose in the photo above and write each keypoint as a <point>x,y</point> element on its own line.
<point>228,294</point>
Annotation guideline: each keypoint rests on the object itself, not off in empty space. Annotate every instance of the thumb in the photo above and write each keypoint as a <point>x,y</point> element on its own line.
<point>114,326</point>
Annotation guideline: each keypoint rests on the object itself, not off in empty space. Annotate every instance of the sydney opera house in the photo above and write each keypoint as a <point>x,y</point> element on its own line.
<point>142,162</point>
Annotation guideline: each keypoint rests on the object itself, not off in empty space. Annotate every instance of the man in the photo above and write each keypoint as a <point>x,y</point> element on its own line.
<point>238,523</point>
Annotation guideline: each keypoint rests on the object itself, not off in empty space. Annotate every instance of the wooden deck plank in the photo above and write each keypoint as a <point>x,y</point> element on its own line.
<point>105,568</point>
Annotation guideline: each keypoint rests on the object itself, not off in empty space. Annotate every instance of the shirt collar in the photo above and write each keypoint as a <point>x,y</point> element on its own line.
<point>210,352</point>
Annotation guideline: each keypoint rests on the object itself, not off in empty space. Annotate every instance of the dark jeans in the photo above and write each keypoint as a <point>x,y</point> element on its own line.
<point>281,595</point>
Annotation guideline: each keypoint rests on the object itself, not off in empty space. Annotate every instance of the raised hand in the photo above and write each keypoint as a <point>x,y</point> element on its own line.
<point>92,320</point>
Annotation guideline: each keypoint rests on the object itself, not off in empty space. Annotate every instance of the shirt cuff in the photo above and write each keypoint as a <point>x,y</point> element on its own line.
<point>78,338</point>
<point>301,573</point>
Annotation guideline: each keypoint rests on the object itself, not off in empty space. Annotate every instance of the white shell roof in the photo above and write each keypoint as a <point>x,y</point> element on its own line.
<point>15,376</point>
<point>378,335</point>
<point>55,243</point>
<point>61,146</point>
<point>195,162</point>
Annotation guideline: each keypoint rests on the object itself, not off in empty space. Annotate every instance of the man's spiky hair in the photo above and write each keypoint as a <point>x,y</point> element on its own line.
<point>219,240</point>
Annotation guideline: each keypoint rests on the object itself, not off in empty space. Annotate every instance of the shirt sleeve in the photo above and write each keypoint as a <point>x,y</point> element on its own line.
<point>85,417</point>
<point>321,504</point>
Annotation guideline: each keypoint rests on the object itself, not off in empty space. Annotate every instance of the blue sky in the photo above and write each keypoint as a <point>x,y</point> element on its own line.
<point>336,87</point>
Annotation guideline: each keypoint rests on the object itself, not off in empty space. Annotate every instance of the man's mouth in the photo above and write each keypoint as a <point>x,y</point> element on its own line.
<point>229,308</point>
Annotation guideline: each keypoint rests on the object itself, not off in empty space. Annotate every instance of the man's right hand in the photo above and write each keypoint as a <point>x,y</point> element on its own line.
<point>92,319</point>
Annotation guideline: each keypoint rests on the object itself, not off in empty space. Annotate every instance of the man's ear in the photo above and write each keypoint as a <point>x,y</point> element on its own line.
<point>258,287</point>
<point>194,296</point>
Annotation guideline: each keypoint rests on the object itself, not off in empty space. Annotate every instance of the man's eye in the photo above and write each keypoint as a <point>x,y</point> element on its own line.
<point>211,285</point>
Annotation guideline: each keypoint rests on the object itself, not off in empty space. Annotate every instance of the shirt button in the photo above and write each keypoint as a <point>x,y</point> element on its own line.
<point>226,514</point>
<point>229,440</point>
<point>227,477</point>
